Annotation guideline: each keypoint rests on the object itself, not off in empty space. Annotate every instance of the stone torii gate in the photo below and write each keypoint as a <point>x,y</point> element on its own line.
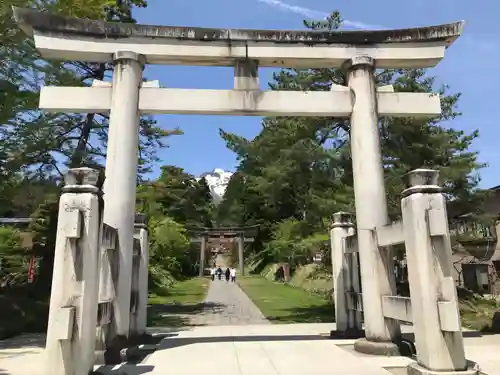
<point>240,235</point>
<point>359,53</point>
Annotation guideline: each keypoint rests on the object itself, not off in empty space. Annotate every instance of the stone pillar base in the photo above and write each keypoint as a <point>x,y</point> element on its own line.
<point>388,349</point>
<point>100,357</point>
<point>136,354</point>
<point>416,369</point>
<point>116,351</point>
<point>132,349</point>
<point>348,334</point>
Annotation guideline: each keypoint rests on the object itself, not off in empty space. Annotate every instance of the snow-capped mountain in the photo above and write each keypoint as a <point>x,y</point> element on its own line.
<point>217,181</point>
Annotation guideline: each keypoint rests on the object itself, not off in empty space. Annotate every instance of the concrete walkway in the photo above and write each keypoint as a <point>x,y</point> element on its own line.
<point>22,355</point>
<point>288,349</point>
<point>291,349</point>
<point>225,305</point>
<point>296,349</point>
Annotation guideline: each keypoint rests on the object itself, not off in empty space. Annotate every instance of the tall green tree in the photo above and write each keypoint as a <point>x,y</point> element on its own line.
<point>43,143</point>
<point>178,195</point>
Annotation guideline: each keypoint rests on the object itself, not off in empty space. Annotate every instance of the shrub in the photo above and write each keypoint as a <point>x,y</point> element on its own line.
<point>13,258</point>
<point>170,252</point>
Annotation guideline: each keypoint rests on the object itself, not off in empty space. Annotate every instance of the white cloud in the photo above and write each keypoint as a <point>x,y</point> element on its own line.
<point>312,13</point>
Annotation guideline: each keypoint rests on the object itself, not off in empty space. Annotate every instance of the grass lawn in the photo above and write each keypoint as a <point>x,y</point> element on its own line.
<point>281,303</point>
<point>173,309</point>
<point>477,313</point>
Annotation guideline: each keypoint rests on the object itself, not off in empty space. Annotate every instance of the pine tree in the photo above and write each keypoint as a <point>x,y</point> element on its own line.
<point>44,229</point>
<point>178,195</point>
<point>46,143</point>
<point>13,258</point>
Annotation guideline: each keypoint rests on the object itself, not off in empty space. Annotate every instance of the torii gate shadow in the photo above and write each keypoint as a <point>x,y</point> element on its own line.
<point>177,316</point>
<point>124,369</point>
<point>175,342</point>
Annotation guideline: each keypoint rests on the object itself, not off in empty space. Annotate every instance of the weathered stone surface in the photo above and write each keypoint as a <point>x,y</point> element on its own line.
<point>31,19</point>
<point>376,348</point>
<point>416,369</point>
<point>64,38</point>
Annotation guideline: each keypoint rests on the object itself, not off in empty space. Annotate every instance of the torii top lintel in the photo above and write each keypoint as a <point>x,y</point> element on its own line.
<point>216,231</point>
<point>65,38</point>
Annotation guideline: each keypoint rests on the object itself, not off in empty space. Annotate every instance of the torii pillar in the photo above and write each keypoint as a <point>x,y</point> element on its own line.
<point>241,247</point>
<point>203,254</point>
<point>371,209</point>
<point>121,177</point>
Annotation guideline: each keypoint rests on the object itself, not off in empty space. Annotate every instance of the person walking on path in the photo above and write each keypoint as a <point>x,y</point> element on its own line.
<point>228,274</point>
<point>219,273</point>
<point>212,273</point>
<point>233,274</point>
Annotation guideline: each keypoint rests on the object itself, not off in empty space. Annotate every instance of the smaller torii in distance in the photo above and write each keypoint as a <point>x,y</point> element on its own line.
<point>222,235</point>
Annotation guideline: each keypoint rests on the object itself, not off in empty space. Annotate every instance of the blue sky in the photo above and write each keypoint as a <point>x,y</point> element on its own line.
<point>471,65</point>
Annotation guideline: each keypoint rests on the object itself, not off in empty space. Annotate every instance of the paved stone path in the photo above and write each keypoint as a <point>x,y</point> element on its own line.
<point>226,304</point>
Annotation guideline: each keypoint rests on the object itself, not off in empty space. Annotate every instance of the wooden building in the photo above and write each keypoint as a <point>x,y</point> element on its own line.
<point>476,251</point>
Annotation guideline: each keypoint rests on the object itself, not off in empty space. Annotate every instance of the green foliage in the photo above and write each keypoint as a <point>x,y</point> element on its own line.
<point>178,195</point>
<point>46,143</point>
<point>20,197</point>
<point>8,186</point>
<point>16,61</point>
<point>13,258</point>
<point>44,229</point>
<point>171,202</point>
<point>284,239</point>
<point>257,262</point>
<point>110,10</point>
<point>294,243</point>
<point>170,252</point>
<point>316,243</point>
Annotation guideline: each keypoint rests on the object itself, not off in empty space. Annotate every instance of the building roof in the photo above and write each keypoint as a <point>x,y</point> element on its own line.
<point>228,231</point>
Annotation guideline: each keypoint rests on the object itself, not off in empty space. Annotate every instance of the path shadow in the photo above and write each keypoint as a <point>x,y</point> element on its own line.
<point>410,336</point>
<point>125,369</point>
<point>31,340</point>
<point>176,316</point>
<point>316,314</point>
<point>189,309</point>
<point>176,342</point>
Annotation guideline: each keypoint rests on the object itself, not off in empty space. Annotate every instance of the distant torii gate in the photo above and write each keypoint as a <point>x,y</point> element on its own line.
<point>205,236</point>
